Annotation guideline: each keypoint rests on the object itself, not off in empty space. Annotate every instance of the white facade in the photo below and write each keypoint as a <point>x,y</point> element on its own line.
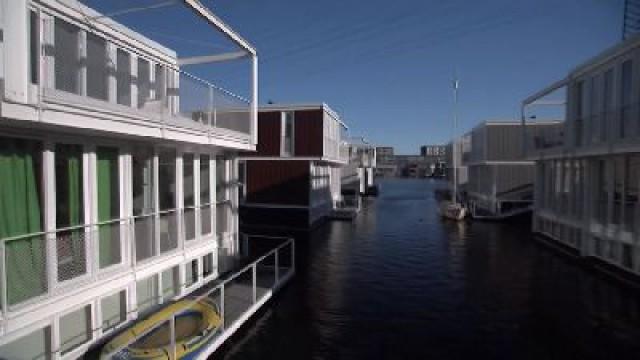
<point>129,185</point>
<point>587,183</point>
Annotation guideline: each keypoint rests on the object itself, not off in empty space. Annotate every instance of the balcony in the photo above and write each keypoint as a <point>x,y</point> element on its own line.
<point>91,70</point>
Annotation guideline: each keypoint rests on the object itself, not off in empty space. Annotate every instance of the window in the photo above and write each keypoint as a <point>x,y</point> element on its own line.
<point>75,329</point>
<point>22,214</point>
<point>167,178</point>
<point>70,244</point>
<point>191,272</point>
<point>581,105</point>
<point>97,73</point>
<point>108,180</point>
<point>143,195</point>
<point>114,310</point>
<point>618,165</point>
<point>34,46</point>
<point>242,177</point>
<point>147,293</point>
<point>143,202</point>
<point>287,133</point>
<point>167,189</point>
<point>67,57</point>
<point>607,105</point>
<point>207,265</point>
<point>144,82</point>
<point>123,78</point>
<point>189,197</point>
<point>34,346</point>
<point>596,109</point>
<point>170,283</point>
<point>632,182</point>
<point>625,97</point>
<point>222,196</point>
<point>602,197</point>
<point>159,82</point>
<point>627,256</point>
<point>205,195</point>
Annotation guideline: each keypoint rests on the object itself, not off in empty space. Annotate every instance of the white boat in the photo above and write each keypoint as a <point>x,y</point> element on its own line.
<point>453,210</point>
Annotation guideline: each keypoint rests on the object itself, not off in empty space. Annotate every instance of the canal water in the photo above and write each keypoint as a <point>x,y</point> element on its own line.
<point>401,283</point>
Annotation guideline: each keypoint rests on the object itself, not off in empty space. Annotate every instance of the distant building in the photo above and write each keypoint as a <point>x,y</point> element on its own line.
<point>435,157</point>
<point>358,175</point>
<point>386,166</point>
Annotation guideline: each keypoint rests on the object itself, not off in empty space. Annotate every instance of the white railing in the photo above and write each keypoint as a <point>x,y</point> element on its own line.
<point>234,299</point>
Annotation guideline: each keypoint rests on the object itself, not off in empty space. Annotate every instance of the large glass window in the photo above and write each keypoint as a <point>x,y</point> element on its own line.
<point>147,295</point>
<point>167,178</point>
<point>170,283</point>
<point>70,244</point>
<point>34,44</point>
<point>108,180</point>
<point>607,105</point>
<point>167,189</point>
<point>602,198</point>
<point>191,272</point>
<point>223,207</point>
<point>205,195</point>
<point>21,209</point>
<point>287,133</point>
<point>596,109</point>
<point>632,189</point>
<point>97,74</point>
<point>114,310</point>
<point>75,329</point>
<point>123,77</point>
<point>189,196</point>
<point>67,56</point>
<point>159,82</point>
<point>581,105</point>
<point>34,346</point>
<point>618,179</point>
<point>144,82</point>
<point>625,98</point>
<point>144,202</point>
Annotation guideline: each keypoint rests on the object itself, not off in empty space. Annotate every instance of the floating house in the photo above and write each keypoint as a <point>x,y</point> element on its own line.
<point>293,180</point>
<point>358,176</point>
<point>118,171</point>
<point>588,177</point>
<point>500,180</point>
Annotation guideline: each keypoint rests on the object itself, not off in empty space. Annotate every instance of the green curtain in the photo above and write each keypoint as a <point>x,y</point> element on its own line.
<point>75,206</point>
<point>107,198</point>
<point>20,214</point>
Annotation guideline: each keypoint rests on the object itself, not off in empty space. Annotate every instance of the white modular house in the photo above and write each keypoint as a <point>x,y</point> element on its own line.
<point>588,177</point>
<point>117,170</point>
<point>359,174</point>
<point>500,179</point>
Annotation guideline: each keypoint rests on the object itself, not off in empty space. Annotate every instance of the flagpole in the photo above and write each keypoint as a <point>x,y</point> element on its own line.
<point>455,139</point>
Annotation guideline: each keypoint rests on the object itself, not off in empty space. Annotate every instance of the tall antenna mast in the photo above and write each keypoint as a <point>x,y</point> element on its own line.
<point>456,84</point>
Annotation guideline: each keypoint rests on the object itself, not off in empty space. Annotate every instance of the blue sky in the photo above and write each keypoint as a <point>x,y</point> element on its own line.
<point>386,66</point>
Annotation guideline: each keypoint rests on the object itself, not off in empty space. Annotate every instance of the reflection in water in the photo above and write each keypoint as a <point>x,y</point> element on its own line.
<point>401,283</point>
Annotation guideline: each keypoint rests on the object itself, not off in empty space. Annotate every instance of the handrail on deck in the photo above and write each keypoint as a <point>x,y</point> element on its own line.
<point>220,287</point>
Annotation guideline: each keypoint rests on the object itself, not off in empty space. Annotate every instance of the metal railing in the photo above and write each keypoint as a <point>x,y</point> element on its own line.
<point>234,300</point>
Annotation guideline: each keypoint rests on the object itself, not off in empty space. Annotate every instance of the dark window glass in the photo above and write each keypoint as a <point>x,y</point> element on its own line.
<point>67,57</point>
<point>167,179</point>
<point>69,189</point>
<point>143,196</point>
<point>188,182</point>
<point>144,82</point>
<point>205,180</point>
<point>34,43</point>
<point>123,78</point>
<point>97,75</point>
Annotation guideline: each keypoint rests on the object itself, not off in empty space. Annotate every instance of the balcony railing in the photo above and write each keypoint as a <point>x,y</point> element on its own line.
<point>233,301</point>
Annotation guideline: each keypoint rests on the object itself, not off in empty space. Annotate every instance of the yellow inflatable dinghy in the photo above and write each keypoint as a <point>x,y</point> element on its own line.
<point>196,324</point>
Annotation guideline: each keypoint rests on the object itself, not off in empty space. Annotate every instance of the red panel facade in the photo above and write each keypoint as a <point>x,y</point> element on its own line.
<point>269,134</point>
<point>308,132</point>
<point>283,182</point>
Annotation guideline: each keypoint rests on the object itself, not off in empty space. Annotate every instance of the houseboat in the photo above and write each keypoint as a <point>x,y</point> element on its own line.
<point>358,176</point>
<point>500,179</point>
<point>293,180</point>
<point>118,172</point>
<point>587,179</point>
